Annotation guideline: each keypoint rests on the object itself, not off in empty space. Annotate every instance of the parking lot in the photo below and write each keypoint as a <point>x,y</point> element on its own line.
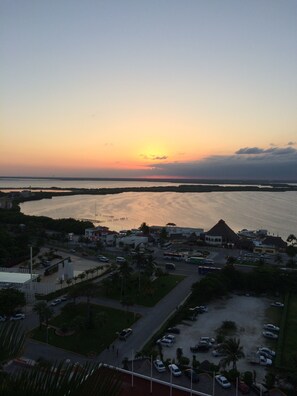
<point>247,312</point>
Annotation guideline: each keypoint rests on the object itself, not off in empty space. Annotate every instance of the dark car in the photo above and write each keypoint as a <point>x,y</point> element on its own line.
<point>173,330</point>
<point>201,347</point>
<point>124,334</point>
<point>243,388</point>
<point>192,375</point>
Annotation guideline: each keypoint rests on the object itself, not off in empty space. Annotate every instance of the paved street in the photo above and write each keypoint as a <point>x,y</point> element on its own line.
<point>152,318</point>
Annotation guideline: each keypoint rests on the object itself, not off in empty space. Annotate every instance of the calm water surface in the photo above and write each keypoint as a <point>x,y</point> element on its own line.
<point>276,212</point>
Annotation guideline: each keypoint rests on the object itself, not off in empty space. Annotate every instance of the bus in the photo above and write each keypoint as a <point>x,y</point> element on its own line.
<point>195,260</point>
<point>173,256</point>
<point>203,270</point>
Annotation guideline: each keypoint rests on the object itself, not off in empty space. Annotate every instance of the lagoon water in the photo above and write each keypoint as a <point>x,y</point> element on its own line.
<point>274,211</point>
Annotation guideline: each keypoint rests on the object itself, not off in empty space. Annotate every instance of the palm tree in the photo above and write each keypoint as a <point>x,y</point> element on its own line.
<point>125,271</point>
<point>59,380</point>
<point>88,290</point>
<point>233,351</point>
<point>43,311</point>
<point>292,239</point>
<point>12,339</point>
<point>63,379</point>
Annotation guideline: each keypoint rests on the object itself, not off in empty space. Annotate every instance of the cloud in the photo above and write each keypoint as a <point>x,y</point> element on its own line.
<point>272,150</point>
<point>291,143</point>
<point>154,157</point>
<point>247,163</point>
<point>250,150</point>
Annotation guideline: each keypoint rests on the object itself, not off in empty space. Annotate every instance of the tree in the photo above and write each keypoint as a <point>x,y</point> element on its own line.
<point>233,352</point>
<point>125,272</point>
<point>43,311</point>
<point>292,240</point>
<point>144,228</point>
<point>278,259</point>
<point>88,290</point>
<point>163,235</point>
<point>10,300</point>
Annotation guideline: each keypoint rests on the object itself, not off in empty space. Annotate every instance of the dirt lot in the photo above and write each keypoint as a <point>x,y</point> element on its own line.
<point>249,315</point>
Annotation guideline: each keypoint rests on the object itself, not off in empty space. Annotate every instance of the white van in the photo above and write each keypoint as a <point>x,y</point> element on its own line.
<point>170,266</point>
<point>120,260</point>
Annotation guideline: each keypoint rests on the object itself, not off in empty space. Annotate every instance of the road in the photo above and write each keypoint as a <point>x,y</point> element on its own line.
<point>151,320</point>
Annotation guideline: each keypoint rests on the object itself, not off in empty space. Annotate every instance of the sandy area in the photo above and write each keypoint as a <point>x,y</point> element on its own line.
<point>249,315</point>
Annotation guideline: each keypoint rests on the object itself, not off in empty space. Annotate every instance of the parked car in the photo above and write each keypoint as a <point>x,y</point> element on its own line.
<point>169,337</point>
<point>217,353</point>
<point>3,318</point>
<point>18,316</point>
<point>64,298</point>
<point>165,342</point>
<point>265,354</point>
<point>260,389</point>
<point>120,260</point>
<point>243,388</point>
<point>202,309</point>
<point>173,330</point>
<point>202,346</point>
<point>124,334</point>
<point>57,301</point>
<point>277,304</point>
<point>192,375</point>
<point>159,365</point>
<point>174,370</point>
<point>263,361</point>
<point>271,327</point>
<point>210,340</point>
<point>267,350</point>
<point>269,334</point>
<point>103,259</point>
<point>221,380</point>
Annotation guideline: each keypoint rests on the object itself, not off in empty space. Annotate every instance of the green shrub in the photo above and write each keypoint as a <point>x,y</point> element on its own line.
<point>248,377</point>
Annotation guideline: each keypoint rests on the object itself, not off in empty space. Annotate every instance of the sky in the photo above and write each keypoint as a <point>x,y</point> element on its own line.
<point>149,88</point>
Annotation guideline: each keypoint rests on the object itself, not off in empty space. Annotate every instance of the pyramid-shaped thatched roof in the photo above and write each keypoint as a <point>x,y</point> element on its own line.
<point>223,230</point>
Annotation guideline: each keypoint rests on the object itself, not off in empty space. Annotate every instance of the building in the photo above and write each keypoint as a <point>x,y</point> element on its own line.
<point>270,245</point>
<point>221,235</point>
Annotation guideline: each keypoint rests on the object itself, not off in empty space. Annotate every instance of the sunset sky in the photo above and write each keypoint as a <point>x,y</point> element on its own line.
<point>148,88</point>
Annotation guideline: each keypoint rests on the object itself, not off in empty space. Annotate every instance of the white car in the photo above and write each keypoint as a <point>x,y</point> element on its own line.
<point>269,334</point>
<point>18,316</point>
<point>169,337</point>
<point>271,327</point>
<point>217,353</point>
<point>277,304</point>
<point>125,333</point>
<point>223,381</point>
<point>264,361</point>
<point>165,342</point>
<point>175,370</point>
<point>56,302</point>
<point>267,351</point>
<point>159,365</point>
<point>3,318</point>
<point>210,340</point>
<point>103,259</point>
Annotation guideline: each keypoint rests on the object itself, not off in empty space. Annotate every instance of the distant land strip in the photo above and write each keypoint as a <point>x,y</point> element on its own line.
<point>178,189</point>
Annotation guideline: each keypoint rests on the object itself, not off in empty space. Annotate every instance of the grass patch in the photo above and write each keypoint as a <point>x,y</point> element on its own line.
<point>135,292</point>
<point>84,341</point>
